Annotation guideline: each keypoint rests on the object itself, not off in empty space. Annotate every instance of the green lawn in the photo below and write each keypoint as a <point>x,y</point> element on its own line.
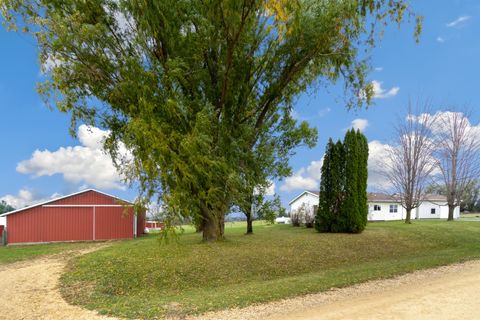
<point>141,279</point>
<point>473,216</point>
<point>15,253</point>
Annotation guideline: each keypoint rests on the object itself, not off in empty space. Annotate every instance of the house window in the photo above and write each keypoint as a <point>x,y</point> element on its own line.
<point>393,208</point>
<point>432,211</point>
<point>377,208</point>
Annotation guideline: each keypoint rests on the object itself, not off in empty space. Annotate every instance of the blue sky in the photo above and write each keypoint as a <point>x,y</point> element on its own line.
<point>39,158</point>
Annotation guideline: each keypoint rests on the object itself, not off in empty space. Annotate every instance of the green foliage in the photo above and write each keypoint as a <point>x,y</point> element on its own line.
<point>362,182</point>
<point>343,187</point>
<point>267,213</point>
<point>5,207</point>
<point>332,186</point>
<point>354,207</point>
<point>200,92</point>
<point>277,263</point>
<point>271,209</point>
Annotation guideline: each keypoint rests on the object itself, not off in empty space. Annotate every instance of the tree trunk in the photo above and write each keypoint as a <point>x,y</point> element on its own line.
<point>213,225</point>
<point>408,216</point>
<point>249,224</point>
<point>451,210</point>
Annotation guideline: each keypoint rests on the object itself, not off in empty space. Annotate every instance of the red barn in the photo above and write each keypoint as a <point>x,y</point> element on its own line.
<point>84,216</point>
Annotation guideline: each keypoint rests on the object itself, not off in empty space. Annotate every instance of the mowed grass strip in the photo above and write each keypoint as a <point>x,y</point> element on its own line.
<point>9,254</point>
<point>142,279</point>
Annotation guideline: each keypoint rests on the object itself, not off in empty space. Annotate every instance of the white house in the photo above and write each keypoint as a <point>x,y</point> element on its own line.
<point>382,207</point>
<point>309,199</point>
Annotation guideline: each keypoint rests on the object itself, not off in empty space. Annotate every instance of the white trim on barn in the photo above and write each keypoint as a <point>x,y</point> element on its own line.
<point>84,205</point>
<point>45,203</point>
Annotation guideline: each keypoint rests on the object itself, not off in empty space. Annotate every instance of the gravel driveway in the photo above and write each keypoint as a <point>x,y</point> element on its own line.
<point>450,292</point>
<point>28,290</point>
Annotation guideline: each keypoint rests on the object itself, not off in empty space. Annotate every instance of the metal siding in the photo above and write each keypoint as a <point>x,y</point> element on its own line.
<point>90,197</point>
<point>46,224</point>
<point>113,223</point>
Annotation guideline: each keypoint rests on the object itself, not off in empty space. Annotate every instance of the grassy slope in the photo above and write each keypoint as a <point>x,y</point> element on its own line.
<point>15,253</point>
<point>142,279</point>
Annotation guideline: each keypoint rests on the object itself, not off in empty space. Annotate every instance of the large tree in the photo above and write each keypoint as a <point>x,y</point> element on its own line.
<point>193,89</point>
<point>410,162</point>
<point>458,155</point>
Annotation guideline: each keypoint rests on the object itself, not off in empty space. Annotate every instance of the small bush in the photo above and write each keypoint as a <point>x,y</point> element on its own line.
<point>309,220</point>
<point>296,218</point>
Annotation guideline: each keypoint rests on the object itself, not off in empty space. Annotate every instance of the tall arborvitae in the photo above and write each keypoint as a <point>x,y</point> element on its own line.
<point>331,189</point>
<point>354,207</point>
<point>343,188</point>
<point>350,206</point>
<point>323,216</point>
<point>338,186</point>
<point>362,181</point>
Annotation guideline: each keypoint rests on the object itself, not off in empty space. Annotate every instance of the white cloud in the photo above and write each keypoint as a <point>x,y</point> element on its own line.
<point>313,170</point>
<point>457,22</point>
<point>268,191</point>
<point>379,69</point>
<point>305,178</point>
<point>444,120</point>
<point>359,124</point>
<point>309,178</point>
<point>86,164</point>
<point>298,182</point>
<point>25,198</point>
<point>381,93</point>
<point>377,165</point>
<point>440,39</point>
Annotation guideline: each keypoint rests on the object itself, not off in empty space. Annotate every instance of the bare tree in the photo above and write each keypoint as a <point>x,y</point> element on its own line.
<point>457,155</point>
<point>409,162</point>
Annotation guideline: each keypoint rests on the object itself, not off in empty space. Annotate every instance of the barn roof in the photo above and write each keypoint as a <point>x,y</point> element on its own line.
<point>60,198</point>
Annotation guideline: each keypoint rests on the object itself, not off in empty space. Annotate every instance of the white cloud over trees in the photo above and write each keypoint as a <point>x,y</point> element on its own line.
<point>382,93</point>
<point>85,164</point>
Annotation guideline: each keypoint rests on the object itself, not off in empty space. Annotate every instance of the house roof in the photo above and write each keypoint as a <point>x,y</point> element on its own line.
<point>382,197</point>
<point>60,198</point>
<point>434,197</point>
<point>315,193</point>
<point>379,197</point>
